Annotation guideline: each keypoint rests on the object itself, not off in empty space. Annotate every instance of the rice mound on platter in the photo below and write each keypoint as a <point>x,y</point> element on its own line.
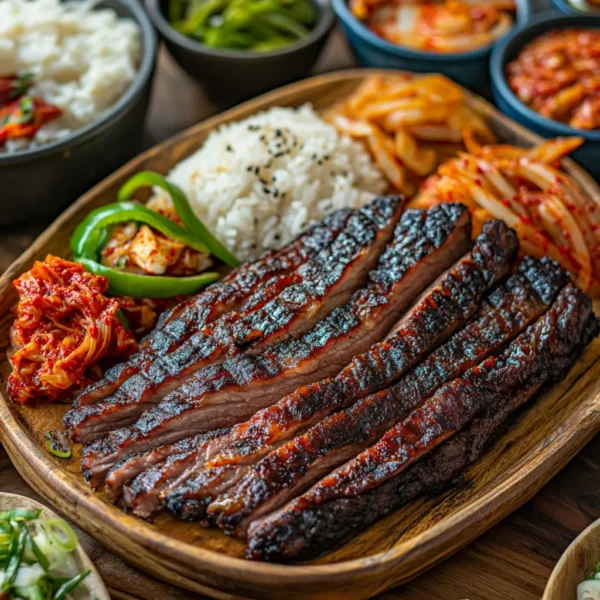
<point>81,58</point>
<point>258,183</point>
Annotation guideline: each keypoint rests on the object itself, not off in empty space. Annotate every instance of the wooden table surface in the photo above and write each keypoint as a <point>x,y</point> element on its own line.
<point>512,561</point>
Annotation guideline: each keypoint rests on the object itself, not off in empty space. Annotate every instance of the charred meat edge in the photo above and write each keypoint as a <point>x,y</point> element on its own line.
<point>325,286</point>
<point>392,286</point>
<point>247,287</point>
<point>545,351</point>
<point>292,468</point>
<point>321,287</point>
<point>434,317</point>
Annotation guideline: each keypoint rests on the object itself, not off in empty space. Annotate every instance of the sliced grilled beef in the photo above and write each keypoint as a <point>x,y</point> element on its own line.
<point>344,519</point>
<point>228,393</point>
<point>542,353</point>
<point>246,287</point>
<point>425,243</point>
<point>452,300</point>
<point>324,282</point>
<point>133,465</point>
<point>295,466</point>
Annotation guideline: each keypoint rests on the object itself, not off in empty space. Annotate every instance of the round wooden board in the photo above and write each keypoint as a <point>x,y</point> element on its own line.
<point>396,549</point>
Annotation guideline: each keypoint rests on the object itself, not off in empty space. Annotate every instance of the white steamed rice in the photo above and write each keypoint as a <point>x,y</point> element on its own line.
<point>82,59</point>
<point>257,183</point>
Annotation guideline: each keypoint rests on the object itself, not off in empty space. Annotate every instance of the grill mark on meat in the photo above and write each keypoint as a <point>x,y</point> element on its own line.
<point>398,279</point>
<point>325,282</point>
<point>443,308</point>
<point>292,314</point>
<point>248,287</point>
<point>542,353</point>
<point>293,467</point>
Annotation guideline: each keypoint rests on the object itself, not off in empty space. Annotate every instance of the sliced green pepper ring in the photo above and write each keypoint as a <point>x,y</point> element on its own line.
<point>189,219</point>
<point>90,234</point>
<point>122,283</point>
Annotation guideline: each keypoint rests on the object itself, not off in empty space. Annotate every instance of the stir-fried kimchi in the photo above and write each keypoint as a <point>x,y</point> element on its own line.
<point>528,191</point>
<point>21,114</point>
<point>64,325</point>
<point>138,248</point>
<point>558,76</point>
<point>437,26</point>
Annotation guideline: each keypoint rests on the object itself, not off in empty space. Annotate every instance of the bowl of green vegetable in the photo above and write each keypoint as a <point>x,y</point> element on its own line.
<point>40,556</point>
<point>239,48</point>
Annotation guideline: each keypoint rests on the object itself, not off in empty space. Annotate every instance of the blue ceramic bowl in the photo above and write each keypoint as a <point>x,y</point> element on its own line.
<point>467,68</point>
<point>588,156</point>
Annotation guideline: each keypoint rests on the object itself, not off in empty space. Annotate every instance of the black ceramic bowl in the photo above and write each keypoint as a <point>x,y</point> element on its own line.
<point>230,75</point>
<point>37,184</point>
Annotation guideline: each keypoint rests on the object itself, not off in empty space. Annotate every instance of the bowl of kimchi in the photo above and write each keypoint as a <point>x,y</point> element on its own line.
<point>453,37</point>
<point>546,76</point>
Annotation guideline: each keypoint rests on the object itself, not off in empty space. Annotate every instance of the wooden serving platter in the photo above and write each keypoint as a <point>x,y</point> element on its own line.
<point>411,540</point>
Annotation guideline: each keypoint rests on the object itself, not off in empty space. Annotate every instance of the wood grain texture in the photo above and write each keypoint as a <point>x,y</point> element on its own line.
<point>575,565</point>
<point>394,550</point>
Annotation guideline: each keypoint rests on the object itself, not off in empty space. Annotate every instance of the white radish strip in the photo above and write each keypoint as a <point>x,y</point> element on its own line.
<point>547,178</point>
<point>556,217</point>
<point>490,203</point>
<point>501,184</point>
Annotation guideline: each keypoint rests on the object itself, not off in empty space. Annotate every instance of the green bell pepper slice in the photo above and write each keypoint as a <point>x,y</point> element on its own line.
<point>122,283</point>
<point>90,234</point>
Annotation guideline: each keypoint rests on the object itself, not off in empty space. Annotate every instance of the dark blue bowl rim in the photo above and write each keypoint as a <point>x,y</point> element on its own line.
<point>500,84</point>
<point>321,29</point>
<point>348,19</point>
<point>566,7</point>
<point>137,87</point>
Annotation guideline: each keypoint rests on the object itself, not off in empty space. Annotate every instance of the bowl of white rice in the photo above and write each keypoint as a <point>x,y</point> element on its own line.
<point>92,62</point>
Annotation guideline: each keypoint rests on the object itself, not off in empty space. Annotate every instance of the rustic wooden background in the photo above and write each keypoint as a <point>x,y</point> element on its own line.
<point>512,561</point>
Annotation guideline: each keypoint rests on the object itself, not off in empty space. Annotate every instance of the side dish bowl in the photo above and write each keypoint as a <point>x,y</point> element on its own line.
<point>39,182</point>
<point>233,75</point>
<point>574,565</point>
<point>467,68</point>
<point>510,105</point>
<point>93,584</point>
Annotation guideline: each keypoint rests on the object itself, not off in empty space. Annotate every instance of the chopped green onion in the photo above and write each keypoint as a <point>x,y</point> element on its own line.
<point>27,108</point>
<point>16,551</point>
<point>37,553</point>
<point>18,514</point>
<point>124,321</point>
<point>70,585</point>
<point>30,550</point>
<point>57,444</point>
